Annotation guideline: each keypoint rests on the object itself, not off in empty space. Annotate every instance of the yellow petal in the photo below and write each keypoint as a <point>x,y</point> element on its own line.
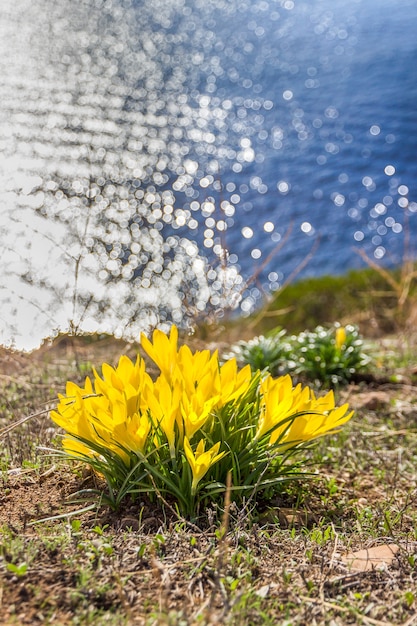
<point>163,350</point>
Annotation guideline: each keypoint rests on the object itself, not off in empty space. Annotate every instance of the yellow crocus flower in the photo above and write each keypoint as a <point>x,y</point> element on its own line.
<point>124,412</point>
<point>124,385</point>
<point>70,412</point>
<point>163,403</point>
<point>196,411</point>
<point>106,413</point>
<point>163,351</point>
<point>233,383</point>
<point>76,448</point>
<point>277,405</point>
<point>281,403</point>
<point>326,417</point>
<point>192,369</point>
<point>340,337</point>
<point>132,434</point>
<point>201,462</point>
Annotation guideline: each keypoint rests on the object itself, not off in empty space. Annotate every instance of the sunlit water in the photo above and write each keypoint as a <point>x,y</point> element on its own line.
<point>154,156</point>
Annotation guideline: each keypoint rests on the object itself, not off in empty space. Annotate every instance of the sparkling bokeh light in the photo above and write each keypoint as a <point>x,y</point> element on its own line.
<point>154,155</point>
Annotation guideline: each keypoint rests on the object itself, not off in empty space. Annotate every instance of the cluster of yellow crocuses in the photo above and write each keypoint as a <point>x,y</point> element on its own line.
<point>127,412</point>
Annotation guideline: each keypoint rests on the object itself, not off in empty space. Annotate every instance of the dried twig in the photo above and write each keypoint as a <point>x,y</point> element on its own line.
<point>8,429</point>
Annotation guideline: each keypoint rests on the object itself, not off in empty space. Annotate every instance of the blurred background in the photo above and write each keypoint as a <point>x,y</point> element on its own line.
<point>166,160</point>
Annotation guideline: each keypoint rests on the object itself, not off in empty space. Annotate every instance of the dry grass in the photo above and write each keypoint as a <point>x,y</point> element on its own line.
<point>280,562</point>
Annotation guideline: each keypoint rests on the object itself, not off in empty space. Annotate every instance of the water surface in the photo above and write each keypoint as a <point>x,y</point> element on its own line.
<point>155,155</point>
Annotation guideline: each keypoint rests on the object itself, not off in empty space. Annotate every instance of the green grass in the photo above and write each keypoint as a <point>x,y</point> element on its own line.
<point>359,297</point>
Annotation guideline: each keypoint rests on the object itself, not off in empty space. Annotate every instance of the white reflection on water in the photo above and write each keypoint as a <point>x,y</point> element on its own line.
<point>139,138</point>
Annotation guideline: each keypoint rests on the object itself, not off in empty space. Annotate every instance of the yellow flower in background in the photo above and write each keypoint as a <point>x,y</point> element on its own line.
<point>340,337</point>
<point>201,462</point>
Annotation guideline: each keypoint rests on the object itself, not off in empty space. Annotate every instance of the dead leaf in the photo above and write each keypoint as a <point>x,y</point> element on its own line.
<point>368,559</point>
<point>287,518</point>
<point>262,592</point>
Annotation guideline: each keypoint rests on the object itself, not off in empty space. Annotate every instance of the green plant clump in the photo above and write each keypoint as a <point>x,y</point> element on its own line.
<point>327,356</point>
<point>330,356</point>
<point>196,429</point>
<point>270,352</point>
